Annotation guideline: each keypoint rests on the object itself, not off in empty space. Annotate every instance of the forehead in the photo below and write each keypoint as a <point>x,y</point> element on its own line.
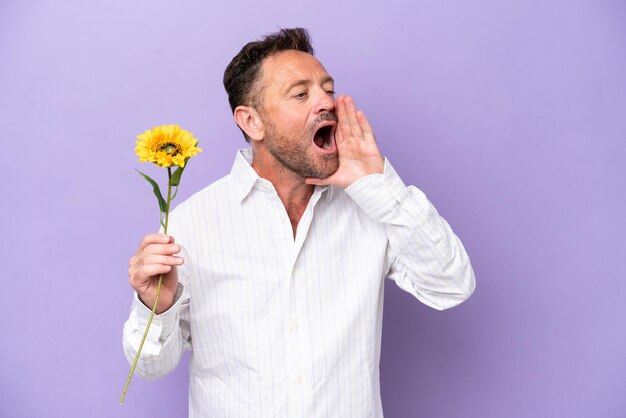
<point>285,67</point>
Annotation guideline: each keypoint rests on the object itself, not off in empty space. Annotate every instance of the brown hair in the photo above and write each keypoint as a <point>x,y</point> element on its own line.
<point>242,75</point>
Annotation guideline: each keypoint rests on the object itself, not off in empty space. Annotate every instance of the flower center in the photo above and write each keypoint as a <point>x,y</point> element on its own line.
<point>170,148</point>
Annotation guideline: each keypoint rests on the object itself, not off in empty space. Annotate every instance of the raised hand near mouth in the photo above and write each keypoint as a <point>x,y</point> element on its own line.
<point>356,145</point>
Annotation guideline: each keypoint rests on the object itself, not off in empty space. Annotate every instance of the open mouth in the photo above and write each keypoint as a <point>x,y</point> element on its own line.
<point>324,136</point>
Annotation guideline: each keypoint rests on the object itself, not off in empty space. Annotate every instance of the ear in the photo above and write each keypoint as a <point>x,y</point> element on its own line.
<point>250,122</point>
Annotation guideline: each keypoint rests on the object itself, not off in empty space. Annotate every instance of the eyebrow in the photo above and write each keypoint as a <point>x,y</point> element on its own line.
<point>327,79</point>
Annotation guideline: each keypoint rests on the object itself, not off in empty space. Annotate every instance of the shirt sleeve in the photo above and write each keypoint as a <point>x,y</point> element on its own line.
<point>425,257</point>
<point>168,337</point>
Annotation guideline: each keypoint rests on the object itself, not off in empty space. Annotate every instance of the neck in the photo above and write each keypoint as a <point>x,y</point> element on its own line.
<point>293,192</point>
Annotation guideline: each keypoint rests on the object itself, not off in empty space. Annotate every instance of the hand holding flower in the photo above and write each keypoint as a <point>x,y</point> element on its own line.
<point>156,256</point>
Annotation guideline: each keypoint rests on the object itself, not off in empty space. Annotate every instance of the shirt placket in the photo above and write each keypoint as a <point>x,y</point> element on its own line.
<point>298,377</point>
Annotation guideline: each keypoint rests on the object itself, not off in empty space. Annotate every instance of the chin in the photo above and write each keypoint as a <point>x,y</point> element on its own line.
<point>327,167</point>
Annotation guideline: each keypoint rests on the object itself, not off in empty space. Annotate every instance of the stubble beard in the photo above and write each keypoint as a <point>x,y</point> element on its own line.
<point>294,155</point>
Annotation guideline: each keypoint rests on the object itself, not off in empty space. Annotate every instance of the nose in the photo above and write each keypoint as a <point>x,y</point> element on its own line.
<point>325,102</point>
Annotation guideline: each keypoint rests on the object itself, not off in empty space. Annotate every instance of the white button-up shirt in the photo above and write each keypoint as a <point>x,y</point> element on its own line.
<point>284,327</point>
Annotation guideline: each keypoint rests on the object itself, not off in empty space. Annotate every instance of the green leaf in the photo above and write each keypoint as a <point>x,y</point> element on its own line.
<point>175,179</point>
<point>174,194</point>
<point>156,190</point>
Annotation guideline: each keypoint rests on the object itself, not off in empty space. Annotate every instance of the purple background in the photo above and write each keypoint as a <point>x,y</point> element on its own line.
<point>510,116</point>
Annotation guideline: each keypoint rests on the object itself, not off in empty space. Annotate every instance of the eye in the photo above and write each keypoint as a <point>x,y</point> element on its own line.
<point>300,95</point>
<point>330,92</point>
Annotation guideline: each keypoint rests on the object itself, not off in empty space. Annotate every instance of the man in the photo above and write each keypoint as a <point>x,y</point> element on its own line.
<point>275,280</point>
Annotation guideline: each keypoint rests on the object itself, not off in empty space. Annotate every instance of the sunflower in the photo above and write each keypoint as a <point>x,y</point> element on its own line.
<point>166,146</point>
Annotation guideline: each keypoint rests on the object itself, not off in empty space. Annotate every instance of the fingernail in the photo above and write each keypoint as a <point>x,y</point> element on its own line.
<point>179,260</point>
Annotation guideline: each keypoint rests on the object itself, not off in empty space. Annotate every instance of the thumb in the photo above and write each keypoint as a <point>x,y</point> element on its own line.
<point>316,182</point>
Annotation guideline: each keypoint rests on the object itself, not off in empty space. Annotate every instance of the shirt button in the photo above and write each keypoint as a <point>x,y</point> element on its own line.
<point>299,380</point>
<point>295,325</point>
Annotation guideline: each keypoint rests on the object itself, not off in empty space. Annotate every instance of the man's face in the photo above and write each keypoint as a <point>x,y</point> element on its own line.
<point>298,111</point>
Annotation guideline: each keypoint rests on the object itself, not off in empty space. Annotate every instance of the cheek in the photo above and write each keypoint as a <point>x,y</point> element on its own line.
<point>293,119</point>
<point>288,120</point>
<point>295,127</point>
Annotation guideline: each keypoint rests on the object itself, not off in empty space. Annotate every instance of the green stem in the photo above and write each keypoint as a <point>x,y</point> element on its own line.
<point>169,198</point>
<point>158,290</point>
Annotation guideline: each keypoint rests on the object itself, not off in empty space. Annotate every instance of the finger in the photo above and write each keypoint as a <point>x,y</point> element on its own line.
<point>368,132</point>
<point>157,238</point>
<point>355,127</point>
<point>344,123</point>
<point>339,138</point>
<point>148,271</point>
<point>162,249</point>
<point>162,259</point>
<point>154,254</point>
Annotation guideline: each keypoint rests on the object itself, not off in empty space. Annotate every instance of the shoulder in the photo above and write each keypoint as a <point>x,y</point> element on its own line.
<point>218,191</point>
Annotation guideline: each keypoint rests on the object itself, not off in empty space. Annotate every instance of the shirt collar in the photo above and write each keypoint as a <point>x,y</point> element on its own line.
<point>245,177</point>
